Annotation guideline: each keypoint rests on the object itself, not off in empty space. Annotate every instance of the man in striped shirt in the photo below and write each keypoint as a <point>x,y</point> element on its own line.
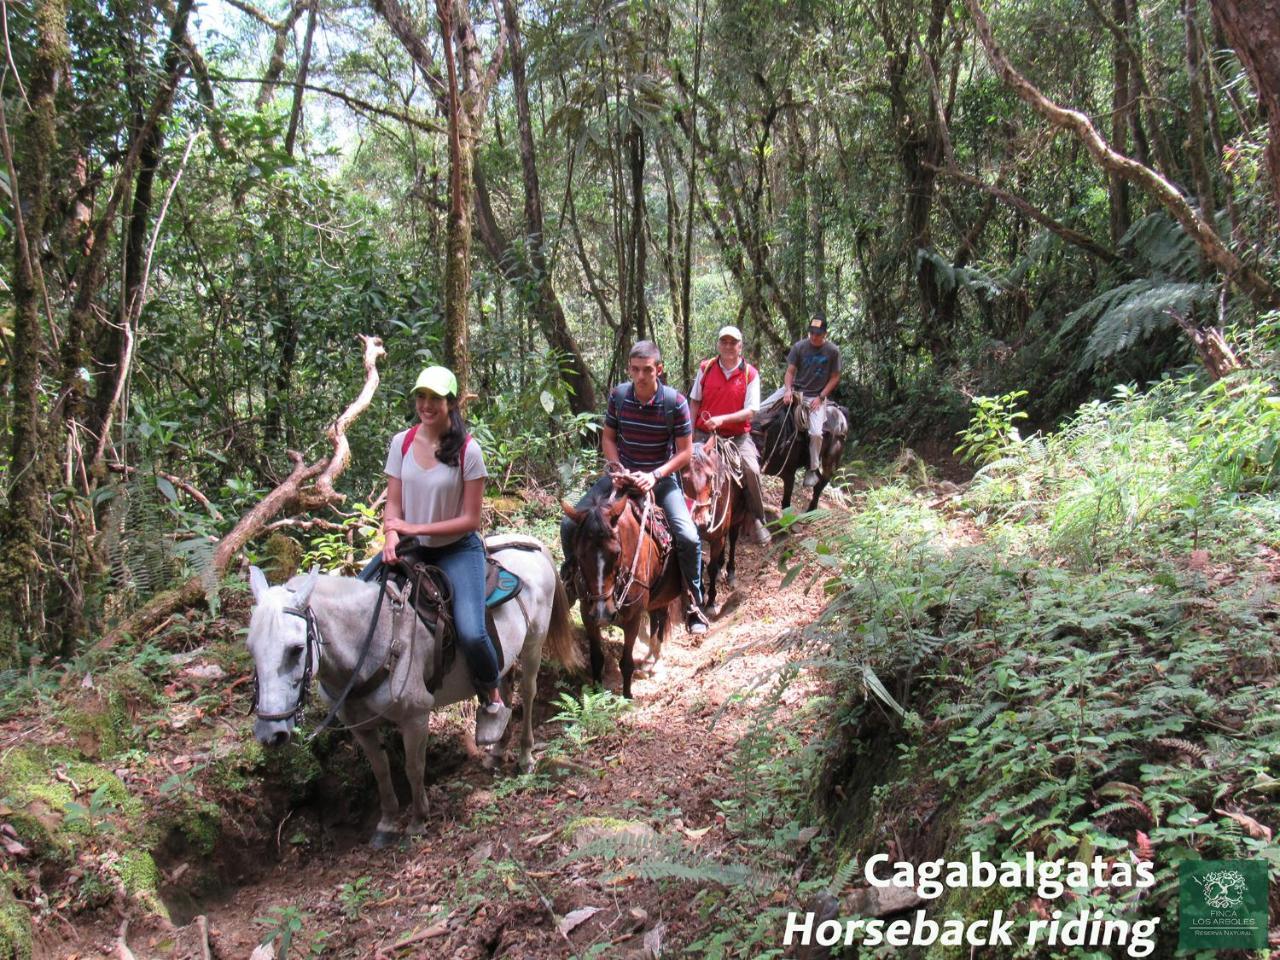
<point>647,440</point>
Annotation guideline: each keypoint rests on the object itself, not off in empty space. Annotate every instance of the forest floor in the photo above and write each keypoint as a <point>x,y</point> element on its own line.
<point>500,870</point>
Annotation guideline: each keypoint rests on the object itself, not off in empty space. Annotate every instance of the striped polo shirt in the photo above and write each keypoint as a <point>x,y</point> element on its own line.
<point>643,440</point>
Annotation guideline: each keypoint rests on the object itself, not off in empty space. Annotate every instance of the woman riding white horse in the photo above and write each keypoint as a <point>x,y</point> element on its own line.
<point>435,487</point>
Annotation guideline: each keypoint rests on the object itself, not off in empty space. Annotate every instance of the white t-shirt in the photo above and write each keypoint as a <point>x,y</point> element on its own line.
<point>750,402</point>
<point>428,496</point>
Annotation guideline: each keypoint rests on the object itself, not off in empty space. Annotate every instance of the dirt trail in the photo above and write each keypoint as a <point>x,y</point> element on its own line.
<point>491,871</point>
<point>663,765</point>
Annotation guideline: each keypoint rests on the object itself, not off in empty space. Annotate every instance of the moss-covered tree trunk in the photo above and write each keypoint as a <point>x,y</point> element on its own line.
<point>31,462</point>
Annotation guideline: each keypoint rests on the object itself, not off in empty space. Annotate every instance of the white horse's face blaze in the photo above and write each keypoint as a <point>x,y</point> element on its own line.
<point>597,556</point>
<point>277,642</point>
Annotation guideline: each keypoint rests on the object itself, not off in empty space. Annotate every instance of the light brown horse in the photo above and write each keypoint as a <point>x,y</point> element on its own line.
<point>719,510</point>
<point>625,575</point>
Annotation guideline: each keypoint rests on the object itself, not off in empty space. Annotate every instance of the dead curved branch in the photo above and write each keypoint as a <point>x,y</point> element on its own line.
<point>308,487</point>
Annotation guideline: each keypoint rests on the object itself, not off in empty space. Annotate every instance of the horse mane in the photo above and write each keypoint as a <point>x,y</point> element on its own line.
<point>700,453</point>
<point>596,524</point>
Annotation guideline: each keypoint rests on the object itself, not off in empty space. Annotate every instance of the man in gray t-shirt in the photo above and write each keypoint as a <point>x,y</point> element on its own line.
<point>813,370</point>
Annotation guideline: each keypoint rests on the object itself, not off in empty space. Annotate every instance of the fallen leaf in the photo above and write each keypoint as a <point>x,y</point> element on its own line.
<point>575,918</point>
<point>540,839</point>
<point>697,834</point>
<point>1251,826</point>
<point>653,940</point>
<point>481,854</point>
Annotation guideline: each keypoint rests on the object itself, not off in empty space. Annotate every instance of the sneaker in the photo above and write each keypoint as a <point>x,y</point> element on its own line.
<point>491,723</point>
<point>811,478</point>
<point>760,534</point>
<point>696,622</point>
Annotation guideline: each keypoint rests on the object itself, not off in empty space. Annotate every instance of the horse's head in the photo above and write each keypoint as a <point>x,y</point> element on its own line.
<point>701,482</point>
<point>284,654</point>
<point>596,551</point>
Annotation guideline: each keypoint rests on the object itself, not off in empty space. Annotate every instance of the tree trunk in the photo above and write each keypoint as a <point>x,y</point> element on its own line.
<point>30,459</point>
<point>544,304</point>
<point>1121,107</point>
<point>1196,117</point>
<point>1253,29</point>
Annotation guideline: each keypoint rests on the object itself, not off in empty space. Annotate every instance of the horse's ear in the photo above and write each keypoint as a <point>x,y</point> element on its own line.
<point>616,508</point>
<point>258,583</point>
<point>304,592</point>
<point>572,512</point>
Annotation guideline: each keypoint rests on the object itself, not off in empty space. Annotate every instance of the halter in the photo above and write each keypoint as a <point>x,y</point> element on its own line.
<point>314,641</point>
<point>730,470</point>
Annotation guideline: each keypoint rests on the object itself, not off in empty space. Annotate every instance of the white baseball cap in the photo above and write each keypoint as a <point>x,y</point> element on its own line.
<point>730,331</point>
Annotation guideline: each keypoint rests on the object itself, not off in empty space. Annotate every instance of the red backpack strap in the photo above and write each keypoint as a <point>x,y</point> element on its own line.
<point>752,373</point>
<point>408,439</point>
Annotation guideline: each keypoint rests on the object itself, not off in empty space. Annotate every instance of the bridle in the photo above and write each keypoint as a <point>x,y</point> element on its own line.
<point>622,585</point>
<point>314,642</point>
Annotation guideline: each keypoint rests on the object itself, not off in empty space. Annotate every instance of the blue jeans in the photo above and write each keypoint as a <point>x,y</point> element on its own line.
<point>463,564</point>
<point>670,497</point>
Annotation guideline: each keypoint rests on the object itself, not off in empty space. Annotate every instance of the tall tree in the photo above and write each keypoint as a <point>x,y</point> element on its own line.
<point>464,90</point>
<point>1253,29</point>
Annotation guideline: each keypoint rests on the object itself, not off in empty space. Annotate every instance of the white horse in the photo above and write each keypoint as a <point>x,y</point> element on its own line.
<point>316,626</point>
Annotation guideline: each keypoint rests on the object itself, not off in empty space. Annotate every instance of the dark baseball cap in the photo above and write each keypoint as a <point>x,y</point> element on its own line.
<point>818,324</point>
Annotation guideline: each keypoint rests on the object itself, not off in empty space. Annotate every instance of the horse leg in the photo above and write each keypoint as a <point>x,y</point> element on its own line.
<point>628,664</point>
<point>385,833</point>
<point>713,574</point>
<point>788,482</point>
<point>731,577</point>
<point>414,731</point>
<point>817,492</point>
<point>597,651</point>
<point>530,660</point>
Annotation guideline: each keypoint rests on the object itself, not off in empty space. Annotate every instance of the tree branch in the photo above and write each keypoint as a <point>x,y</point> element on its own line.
<point>355,103</point>
<point>291,496</point>
<point>1256,286</point>
<point>1033,213</point>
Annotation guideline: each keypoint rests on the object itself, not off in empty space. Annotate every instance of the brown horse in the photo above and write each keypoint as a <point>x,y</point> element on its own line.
<point>719,510</point>
<point>625,575</point>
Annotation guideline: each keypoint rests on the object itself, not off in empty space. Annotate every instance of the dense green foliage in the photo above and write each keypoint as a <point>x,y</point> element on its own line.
<point>1077,655</point>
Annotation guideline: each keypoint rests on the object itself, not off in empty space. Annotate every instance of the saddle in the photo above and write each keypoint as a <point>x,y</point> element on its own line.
<point>430,595</point>
<point>656,526</point>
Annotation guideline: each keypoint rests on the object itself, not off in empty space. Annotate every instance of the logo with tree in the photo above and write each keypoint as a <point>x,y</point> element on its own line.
<point>1223,889</point>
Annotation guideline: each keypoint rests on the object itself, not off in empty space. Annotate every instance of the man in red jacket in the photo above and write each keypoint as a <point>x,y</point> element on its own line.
<point>724,398</point>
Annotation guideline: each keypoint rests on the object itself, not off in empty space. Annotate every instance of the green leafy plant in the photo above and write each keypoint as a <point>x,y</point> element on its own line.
<point>991,431</point>
<point>92,818</point>
<point>589,716</point>
<point>282,926</point>
<point>356,895</point>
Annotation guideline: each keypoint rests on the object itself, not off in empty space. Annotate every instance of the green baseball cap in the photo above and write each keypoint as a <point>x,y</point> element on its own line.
<point>439,380</point>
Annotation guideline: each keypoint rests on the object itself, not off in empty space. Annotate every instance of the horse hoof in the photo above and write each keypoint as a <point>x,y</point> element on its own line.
<point>383,839</point>
<point>731,581</point>
<point>527,764</point>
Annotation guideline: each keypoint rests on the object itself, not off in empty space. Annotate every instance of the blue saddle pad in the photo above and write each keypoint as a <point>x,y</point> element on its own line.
<point>500,584</point>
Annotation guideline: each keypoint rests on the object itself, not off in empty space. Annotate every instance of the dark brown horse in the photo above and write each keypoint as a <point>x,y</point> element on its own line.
<point>784,448</point>
<point>625,575</point>
<point>719,510</point>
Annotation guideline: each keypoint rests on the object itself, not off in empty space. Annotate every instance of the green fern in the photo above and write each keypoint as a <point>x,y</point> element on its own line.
<point>655,857</point>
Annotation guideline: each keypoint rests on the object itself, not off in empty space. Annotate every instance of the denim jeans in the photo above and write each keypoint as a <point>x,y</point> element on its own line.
<point>463,564</point>
<point>669,495</point>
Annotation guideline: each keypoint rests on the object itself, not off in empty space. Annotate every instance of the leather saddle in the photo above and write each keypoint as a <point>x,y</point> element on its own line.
<point>430,596</point>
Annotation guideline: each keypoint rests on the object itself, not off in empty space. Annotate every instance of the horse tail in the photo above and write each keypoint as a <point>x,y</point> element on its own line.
<point>562,642</point>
